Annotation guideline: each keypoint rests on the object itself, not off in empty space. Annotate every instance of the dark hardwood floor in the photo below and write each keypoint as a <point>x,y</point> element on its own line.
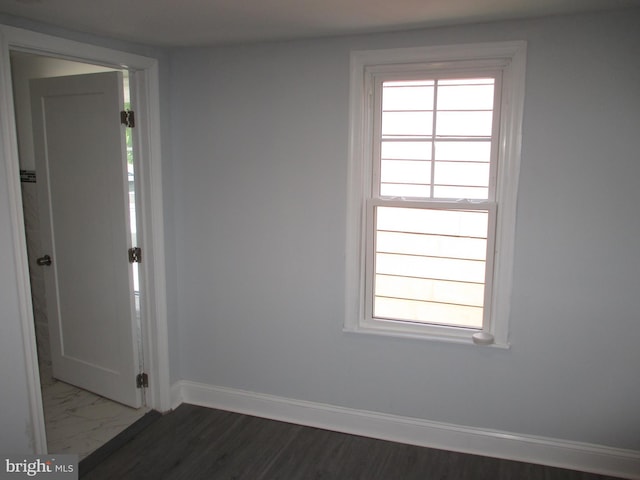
<point>199,443</point>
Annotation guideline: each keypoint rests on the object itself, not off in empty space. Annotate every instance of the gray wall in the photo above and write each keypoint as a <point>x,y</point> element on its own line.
<point>260,143</point>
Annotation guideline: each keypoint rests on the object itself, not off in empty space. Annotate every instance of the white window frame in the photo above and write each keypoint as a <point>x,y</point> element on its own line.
<point>507,58</point>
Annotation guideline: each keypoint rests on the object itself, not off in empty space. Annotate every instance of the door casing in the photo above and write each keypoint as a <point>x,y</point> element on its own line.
<point>145,100</point>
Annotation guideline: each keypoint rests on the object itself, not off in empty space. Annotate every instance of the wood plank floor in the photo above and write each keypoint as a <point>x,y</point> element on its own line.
<point>194,443</point>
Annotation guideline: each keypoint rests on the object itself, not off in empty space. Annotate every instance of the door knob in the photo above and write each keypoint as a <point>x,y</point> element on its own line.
<point>46,260</point>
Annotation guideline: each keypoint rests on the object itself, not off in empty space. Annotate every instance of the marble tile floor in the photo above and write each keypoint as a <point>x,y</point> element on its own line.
<point>78,421</point>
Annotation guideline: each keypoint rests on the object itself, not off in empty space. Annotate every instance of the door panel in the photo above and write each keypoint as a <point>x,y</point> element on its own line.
<point>83,190</point>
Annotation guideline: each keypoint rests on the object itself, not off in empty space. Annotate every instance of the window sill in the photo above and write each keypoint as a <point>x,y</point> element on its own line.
<point>448,335</point>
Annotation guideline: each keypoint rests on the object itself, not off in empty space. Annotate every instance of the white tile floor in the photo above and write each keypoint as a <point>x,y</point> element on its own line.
<point>78,421</point>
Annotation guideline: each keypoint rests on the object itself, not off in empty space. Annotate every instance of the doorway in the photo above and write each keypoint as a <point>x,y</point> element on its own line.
<point>76,419</point>
<point>145,83</point>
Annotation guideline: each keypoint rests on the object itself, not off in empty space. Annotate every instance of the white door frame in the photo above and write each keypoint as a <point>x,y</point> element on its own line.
<point>146,102</point>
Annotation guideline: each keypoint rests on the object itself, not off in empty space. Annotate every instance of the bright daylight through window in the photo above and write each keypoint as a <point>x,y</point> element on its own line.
<point>434,162</point>
<point>435,145</point>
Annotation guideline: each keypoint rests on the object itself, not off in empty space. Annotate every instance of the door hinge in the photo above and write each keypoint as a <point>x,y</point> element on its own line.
<point>128,118</point>
<point>142,380</point>
<point>135,255</point>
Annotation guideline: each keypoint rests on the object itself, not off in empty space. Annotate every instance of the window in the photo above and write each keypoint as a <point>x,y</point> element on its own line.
<point>434,162</point>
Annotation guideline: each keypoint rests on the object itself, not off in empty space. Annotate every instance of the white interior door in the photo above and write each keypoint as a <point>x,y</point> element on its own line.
<point>80,154</point>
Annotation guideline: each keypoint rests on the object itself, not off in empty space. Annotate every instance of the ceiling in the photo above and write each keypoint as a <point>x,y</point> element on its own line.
<point>217,22</point>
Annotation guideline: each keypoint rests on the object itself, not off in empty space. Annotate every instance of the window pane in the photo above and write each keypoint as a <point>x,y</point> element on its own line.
<point>464,151</point>
<point>430,267</point>
<point>431,245</point>
<point>403,171</point>
<point>464,124</point>
<point>407,123</point>
<point>462,174</point>
<point>409,83</point>
<point>468,193</point>
<point>467,81</point>
<point>428,290</point>
<point>459,223</point>
<point>426,312</point>
<point>407,98</point>
<point>406,150</point>
<point>404,190</point>
<point>465,97</point>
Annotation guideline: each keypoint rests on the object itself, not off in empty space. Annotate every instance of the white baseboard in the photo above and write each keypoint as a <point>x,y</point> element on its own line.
<point>513,446</point>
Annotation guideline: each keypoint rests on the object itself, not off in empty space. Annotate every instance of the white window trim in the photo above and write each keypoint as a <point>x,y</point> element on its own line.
<point>511,56</point>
